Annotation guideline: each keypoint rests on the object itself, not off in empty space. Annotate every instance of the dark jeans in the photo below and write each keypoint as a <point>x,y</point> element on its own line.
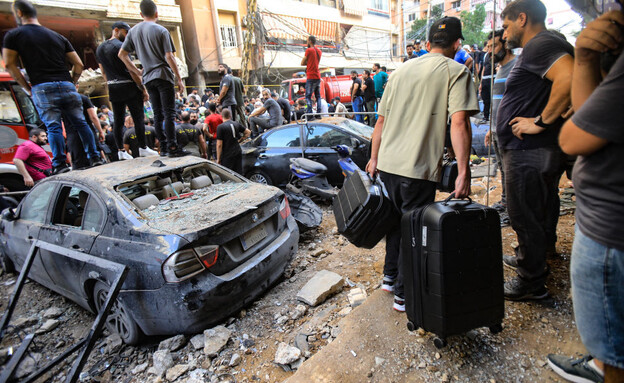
<point>234,163</point>
<point>370,107</point>
<point>486,96</point>
<point>134,102</point>
<point>162,97</point>
<point>313,86</point>
<point>406,194</point>
<point>532,186</point>
<point>499,163</point>
<point>262,122</point>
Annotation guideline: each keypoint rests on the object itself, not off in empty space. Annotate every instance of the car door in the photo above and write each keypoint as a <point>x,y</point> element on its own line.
<point>275,149</point>
<point>20,233</point>
<point>320,139</point>
<point>77,218</point>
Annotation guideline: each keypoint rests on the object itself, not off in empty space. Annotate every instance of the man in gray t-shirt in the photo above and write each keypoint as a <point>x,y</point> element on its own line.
<point>275,113</point>
<point>154,48</point>
<point>227,94</point>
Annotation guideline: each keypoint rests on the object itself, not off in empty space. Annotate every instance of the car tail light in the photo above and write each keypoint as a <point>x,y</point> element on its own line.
<point>184,264</point>
<point>284,208</point>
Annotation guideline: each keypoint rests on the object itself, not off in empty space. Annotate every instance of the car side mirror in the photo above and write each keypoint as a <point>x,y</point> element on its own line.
<point>8,214</point>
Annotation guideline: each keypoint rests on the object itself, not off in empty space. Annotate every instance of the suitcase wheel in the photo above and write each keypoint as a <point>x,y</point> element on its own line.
<point>411,326</point>
<point>439,342</point>
<point>495,329</point>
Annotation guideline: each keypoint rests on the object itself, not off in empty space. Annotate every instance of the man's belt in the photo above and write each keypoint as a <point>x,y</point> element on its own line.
<point>115,82</point>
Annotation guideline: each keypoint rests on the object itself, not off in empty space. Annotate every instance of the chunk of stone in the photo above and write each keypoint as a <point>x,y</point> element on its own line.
<point>162,361</point>
<point>215,340</point>
<point>235,360</point>
<point>173,344</point>
<point>139,368</point>
<point>48,326</point>
<point>320,287</point>
<point>379,361</point>
<point>23,322</point>
<point>286,354</point>
<point>27,366</point>
<point>298,312</point>
<point>53,313</point>
<point>113,344</point>
<point>198,341</point>
<point>176,371</point>
<point>356,296</point>
<point>301,342</point>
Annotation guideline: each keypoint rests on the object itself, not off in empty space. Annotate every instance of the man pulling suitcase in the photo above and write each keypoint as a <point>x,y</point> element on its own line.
<point>407,152</point>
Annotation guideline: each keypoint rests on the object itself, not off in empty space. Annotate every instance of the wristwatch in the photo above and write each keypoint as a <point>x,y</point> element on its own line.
<point>540,122</point>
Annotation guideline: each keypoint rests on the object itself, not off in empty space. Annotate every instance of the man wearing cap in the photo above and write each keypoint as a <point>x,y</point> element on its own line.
<point>418,50</point>
<point>122,91</point>
<point>408,152</point>
<point>462,56</point>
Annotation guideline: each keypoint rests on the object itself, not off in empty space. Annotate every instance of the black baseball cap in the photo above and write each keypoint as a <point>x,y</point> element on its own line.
<point>121,25</point>
<point>451,28</point>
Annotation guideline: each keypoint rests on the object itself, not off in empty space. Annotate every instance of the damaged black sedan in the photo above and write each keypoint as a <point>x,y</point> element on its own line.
<point>200,241</point>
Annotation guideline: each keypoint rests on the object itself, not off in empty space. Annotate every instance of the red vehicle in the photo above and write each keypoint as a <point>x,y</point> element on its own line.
<point>332,86</point>
<point>17,116</point>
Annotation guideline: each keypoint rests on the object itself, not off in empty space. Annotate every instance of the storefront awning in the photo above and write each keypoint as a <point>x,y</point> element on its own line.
<point>353,7</point>
<point>321,29</point>
<point>298,28</point>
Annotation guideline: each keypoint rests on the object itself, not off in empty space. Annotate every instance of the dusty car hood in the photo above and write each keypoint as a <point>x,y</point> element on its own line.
<point>208,207</point>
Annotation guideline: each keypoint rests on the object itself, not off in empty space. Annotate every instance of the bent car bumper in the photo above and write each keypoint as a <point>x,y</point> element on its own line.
<point>206,299</point>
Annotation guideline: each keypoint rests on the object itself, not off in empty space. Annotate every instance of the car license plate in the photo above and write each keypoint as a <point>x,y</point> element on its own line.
<point>253,236</point>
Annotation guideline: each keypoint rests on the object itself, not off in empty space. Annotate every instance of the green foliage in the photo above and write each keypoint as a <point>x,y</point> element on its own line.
<point>473,25</point>
<point>419,27</point>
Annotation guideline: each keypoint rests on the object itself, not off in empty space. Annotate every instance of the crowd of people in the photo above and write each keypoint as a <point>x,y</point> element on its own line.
<point>549,101</point>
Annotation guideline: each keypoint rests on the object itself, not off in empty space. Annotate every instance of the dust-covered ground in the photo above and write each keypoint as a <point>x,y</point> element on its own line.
<point>388,352</point>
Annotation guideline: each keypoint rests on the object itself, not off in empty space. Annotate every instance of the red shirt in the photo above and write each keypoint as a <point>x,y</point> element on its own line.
<point>213,121</point>
<point>33,154</point>
<point>312,70</point>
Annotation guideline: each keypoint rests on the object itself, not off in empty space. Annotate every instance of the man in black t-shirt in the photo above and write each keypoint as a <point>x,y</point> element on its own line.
<point>275,115</point>
<point>529,118</point>
<point>131,142</point>
<point>122,91</point>
<point>44,54</point>
<point>190,137</point>
<point>75,141</point>
<point>284,105</point>
<point>229,135</point>
<point>356,96</point>
<point>370,100</point>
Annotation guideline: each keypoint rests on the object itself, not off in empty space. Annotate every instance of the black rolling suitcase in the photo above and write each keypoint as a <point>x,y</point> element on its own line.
<point>364,215</point>
<point>453,269</point>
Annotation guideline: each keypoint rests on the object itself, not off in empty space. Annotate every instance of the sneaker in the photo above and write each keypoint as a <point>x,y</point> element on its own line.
<point>399,304</point>
<point>504,219</point>
<point>500,207</point>
<point>517,289</point>
<point>510,261</point>
<point>163,153</point>
<point>581,370</point>
<point>97,162</point>
<point>146,152</point>
<point>177,152</point>
<point>483,121</point>
<point>123,155</point>
<point>60,169</point>
<point>387,284</point>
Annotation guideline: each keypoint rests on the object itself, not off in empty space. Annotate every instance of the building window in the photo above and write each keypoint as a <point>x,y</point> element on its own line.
<point>228,36</point>
<point>381,5</point>
<point>326,3</point>
<point>411,17</point>
<point>456,4</point>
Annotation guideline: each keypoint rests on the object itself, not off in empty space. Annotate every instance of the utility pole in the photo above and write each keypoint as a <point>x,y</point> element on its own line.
<point>248,40</point>
<point>428,17</point>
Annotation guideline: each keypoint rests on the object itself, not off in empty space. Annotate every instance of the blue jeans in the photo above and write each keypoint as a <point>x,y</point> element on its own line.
<point>597,275</point>
<point>313,86</point>
<point>56,99</point>
<point>357,104</point>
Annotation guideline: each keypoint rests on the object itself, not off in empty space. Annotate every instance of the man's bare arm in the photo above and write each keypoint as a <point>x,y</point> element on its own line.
<point>304,60</point>
<point>561,76</point>
<point>92,112</point>
<point>219,150</point>
<point>461,139</point>
<point>258,111</point>
<point>11,59</point>
<point>371,166</point>
<point>170,57</point>
<point>202,146</point>
<point>354,90</point>
<point>21,167</point>
<point>223,92</point>
<point>468,62</point>
<point>77,65</point>
<point>135,73</point>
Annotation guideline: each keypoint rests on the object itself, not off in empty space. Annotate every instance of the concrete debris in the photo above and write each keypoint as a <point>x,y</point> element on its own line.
<point>320,287</point>
<point>296,364</point>
<point>345,311</point>
<point>28,365</point>
<point>113,344</point>
<point>301,342</point>
<point>286,354</point>
<point>173,344</point>
<point>281,320</point>
<point>197,341</point>
<point>140,368</point>
<point>215,340</point>
<point>176,371</point>
<point>235,360</point>
<point>53,313</point>
<point>298,312</point>
<point>24,322</point>
<point>356,296</point>
<point>445,378</point>
<point>379,361</point>
<point>162,360</point>
<point>48,326</point>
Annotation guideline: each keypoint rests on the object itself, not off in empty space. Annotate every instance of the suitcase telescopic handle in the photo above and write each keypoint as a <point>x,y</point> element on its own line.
<point>446,201</point>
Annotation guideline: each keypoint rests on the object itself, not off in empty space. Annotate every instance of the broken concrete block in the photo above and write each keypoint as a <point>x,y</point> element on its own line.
<point>235,360</point>
<point>286,354</point>
<point>140,368</point>
<point>320,287</point>
<point>162,361</point>
<point>215,340</point>
<point>53,313</point>
<point>48,326</point>
<point>197,341</point>
<point>298,312</point>
<point>173,344</point>
<point>176,371</point>
<point>23,322</point>
<point>27,365</point>
<point>113,344</point>
<point>356,296</point>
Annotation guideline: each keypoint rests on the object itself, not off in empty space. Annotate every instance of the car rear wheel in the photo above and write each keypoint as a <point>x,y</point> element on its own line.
<point>119,320</point>
<point>260,177</point>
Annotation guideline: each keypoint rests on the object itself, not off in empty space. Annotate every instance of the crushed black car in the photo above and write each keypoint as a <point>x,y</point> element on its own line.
<point>200,241</point>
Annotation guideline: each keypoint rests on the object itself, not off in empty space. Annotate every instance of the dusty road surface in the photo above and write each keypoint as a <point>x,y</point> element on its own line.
<point>333,342</point>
